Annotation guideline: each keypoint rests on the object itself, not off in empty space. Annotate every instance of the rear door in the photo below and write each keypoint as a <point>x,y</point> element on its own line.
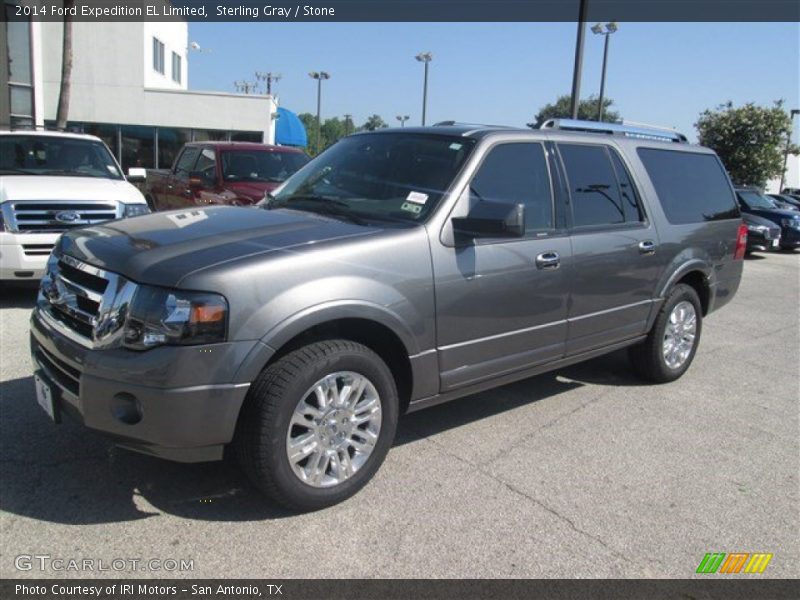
<point>501,303</point>
<point>614,248</point>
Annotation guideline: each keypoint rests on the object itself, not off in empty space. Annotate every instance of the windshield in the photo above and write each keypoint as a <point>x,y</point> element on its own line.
<point>260,165</point>
<point>54,155</point>
<point>387,176</point>
<point>756,200</point>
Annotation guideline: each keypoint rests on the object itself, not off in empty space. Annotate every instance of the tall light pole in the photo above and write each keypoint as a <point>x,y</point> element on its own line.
<point>319,76</point>
<point>348,122</point>
<point>575,99</point>
<point>268,77</point>
<point>402,119</point>
<point>792,114</point>
<point>424,57</point>
<point>598,30</point>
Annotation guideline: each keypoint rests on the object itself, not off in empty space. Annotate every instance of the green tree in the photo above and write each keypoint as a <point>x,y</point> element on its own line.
<point>330,131</point>
<point>374,122</point>
<point>587,111</point>
<point>750,140</point>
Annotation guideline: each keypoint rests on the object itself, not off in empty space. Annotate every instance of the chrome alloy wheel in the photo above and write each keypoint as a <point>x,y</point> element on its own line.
<point>334,429</point>
<point>680,334</point>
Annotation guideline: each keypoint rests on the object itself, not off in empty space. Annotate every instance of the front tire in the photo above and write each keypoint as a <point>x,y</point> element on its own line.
<point>317,424</point>
<point>670,346</point>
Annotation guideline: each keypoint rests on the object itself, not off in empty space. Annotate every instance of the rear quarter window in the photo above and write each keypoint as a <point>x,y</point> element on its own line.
<point>691,187</point>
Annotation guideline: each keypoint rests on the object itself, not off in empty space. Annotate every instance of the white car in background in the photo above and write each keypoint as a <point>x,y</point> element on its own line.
<point>51,182</point>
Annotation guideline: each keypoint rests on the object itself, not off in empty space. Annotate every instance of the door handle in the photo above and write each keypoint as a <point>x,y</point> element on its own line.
<point>548,261</point>
<point>647,247</point>
<point>187,193</point>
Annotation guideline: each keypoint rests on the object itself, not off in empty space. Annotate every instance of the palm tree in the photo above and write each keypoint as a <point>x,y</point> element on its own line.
<point>66,69</point>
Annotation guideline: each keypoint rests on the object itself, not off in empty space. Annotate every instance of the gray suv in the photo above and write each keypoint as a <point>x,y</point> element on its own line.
<point>397,270</point>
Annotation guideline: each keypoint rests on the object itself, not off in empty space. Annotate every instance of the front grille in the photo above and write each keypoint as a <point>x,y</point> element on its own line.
<point>54,217</point>
<point>774,233</point>
<point>85,303</point>
<point>37,249</point>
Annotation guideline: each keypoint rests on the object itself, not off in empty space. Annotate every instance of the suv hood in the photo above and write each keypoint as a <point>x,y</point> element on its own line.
<point>776,215</point>
<point>50,187</point>
<point>162,248</point>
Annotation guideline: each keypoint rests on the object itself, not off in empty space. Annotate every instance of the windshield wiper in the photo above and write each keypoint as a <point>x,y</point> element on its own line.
<point>321,205</point>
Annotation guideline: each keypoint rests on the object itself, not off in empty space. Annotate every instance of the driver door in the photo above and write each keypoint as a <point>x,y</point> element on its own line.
<point>501,303</point>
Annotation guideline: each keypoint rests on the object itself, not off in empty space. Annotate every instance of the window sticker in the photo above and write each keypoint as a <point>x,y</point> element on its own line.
<point>455,146</point>
<point>413,208</point>
<point>417,197</point>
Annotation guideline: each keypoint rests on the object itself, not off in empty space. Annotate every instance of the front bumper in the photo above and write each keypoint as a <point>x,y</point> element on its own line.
<point>179,403</point>
<point>23,256</point>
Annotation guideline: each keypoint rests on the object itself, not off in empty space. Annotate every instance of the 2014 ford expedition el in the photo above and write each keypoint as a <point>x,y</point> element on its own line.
<point>397,270</point>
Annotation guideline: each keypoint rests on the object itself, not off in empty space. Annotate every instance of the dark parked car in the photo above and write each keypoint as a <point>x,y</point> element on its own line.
<point>236,173</point>
<point>788,201</point>
<point>754,202</point>
<point>398,270</point>
<point>762,235</point>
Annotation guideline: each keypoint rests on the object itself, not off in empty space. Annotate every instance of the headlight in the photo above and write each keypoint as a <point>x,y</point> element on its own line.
<point>134,210</point>
<point>159,316</point>
<point>793,223</point>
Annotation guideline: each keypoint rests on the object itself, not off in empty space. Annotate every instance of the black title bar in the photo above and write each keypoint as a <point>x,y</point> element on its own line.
<point>271,11</point>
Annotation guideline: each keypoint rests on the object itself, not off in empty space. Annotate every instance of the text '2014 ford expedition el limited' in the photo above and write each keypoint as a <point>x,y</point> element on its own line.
<point>397,270</point>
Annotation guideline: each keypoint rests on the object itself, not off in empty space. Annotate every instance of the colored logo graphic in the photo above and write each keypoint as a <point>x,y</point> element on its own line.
<point>736,562</point>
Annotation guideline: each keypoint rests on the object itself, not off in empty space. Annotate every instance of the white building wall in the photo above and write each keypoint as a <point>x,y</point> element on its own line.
<point>175,37</point>
<point>792,178</point>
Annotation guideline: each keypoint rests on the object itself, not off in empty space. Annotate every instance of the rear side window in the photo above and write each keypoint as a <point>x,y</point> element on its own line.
<point>516,174</point>
<point>692,187</point>
<point>593,188</point>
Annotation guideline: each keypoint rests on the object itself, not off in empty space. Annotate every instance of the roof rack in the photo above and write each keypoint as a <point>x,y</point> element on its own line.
<point>646,133</point>
<point>478,125</point>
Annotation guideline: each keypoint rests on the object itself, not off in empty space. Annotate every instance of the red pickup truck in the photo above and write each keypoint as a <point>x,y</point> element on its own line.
<point>237,173</point>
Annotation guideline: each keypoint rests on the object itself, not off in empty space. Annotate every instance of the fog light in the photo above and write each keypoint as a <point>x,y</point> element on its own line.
<point>126,408</point>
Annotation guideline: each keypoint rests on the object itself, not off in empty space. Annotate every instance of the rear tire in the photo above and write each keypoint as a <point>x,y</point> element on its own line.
<point>301,405</point>
<point>670,346</point>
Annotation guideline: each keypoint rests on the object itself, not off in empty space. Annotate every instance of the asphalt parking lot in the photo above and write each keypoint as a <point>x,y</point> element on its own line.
<point>585,472</point>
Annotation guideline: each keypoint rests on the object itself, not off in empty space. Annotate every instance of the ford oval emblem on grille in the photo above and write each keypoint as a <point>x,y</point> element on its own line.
<point>67,216</point>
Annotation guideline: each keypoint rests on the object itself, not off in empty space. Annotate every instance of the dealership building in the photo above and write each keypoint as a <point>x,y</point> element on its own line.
<point>129,87</point>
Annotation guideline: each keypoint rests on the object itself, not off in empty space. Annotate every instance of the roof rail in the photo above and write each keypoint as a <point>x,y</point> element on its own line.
<point>462,124</point>
<point>646,133</point>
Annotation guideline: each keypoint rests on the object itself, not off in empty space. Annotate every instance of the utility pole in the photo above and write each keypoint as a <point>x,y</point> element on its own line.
<point>576,73</point>
<point>245,87</point>
<point>348,122</point>
<point>268,78</point>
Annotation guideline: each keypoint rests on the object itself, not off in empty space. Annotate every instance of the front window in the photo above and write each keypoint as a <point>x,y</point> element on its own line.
<point>261,165</point>
<point>46,155</point>
<point>384,176</point>
<point>756,200</point>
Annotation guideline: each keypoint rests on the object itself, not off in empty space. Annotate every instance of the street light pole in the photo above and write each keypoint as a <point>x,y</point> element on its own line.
<point>792,114</point>
<point>319,76</point>
<point>577,70</point>
<point>402,119</point>
<point>424,57</point>
<point>598,29</point>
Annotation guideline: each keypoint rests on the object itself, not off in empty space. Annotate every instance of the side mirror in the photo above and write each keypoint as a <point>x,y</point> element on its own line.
<point>492,219</point>
<point>137,175</point>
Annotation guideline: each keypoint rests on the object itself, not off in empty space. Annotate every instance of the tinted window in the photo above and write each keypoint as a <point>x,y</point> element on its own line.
<point>516,174</point>
<point>186,161</point>
<point>593,187</point>
<point>630,199</point>
<point>692,187</point>
<point>756,200</point>
<point>260,165</point>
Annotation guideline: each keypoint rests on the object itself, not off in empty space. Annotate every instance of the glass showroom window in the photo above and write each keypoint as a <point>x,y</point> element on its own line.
<point>176,68</point>
<point>158,56</point>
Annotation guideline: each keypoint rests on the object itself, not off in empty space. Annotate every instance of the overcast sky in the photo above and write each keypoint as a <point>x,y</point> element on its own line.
<point>502,73</point>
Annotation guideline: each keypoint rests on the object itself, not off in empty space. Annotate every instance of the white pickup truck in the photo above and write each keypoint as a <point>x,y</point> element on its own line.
<point>51,182</point>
